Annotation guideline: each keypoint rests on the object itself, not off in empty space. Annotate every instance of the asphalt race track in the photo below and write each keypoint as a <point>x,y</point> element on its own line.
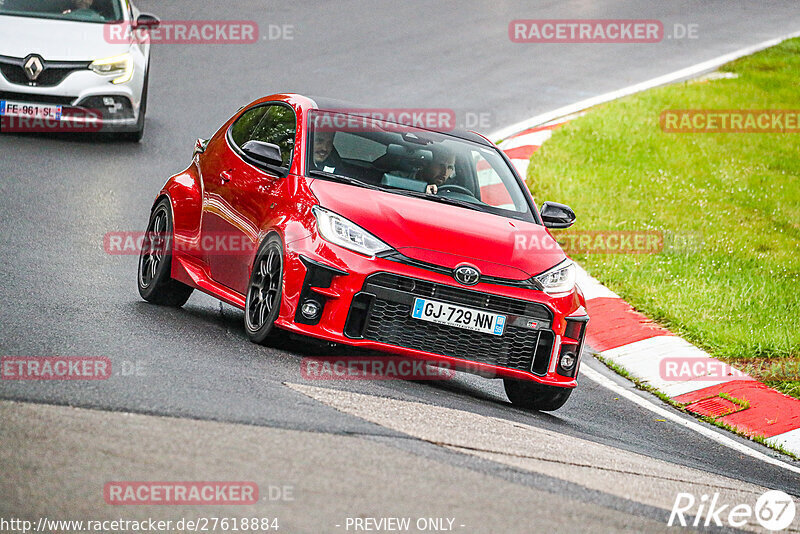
<point>63,295</point>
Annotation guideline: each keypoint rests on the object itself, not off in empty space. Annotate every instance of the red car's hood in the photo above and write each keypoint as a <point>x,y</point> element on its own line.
<point>445,235</point>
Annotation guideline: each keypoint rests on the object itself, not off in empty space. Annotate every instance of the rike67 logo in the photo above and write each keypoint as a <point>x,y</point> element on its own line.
<point>774,510</point>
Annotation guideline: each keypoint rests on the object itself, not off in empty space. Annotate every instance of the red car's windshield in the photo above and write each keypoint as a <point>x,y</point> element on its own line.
<point>401,158</point>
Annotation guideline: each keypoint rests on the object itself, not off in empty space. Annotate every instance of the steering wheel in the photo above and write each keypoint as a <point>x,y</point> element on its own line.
<point>455,189</point>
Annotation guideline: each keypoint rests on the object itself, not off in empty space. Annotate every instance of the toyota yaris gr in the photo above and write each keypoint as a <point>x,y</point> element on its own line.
<point>319,219</point>
<point>63,70</point>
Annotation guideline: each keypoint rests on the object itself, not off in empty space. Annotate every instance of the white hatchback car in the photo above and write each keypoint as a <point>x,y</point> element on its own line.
<point>59,64</point>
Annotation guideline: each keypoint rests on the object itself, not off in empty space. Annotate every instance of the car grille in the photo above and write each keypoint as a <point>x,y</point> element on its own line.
<point>382,312</point>
<point>465,297</point>
<point>52,75</point>
<point>37,99</point>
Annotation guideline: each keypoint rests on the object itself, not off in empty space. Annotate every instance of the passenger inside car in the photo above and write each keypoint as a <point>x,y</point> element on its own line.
<point>78,5</point>
<point>326,157</point>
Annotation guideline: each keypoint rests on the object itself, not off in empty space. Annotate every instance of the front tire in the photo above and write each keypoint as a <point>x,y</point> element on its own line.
<point>155,261</point>
<point>264,292</point>
<point>534,396</point>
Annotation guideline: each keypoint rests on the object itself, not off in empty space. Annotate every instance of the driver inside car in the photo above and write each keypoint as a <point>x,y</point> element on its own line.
<point>437,171</point>
<point>82,8</point>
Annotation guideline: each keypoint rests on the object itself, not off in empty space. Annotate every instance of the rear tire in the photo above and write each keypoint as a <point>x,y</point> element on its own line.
<point>155,261</point>
<point>534,396</point>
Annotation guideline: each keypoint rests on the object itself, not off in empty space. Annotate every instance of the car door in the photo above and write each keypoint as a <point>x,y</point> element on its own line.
<point>239,197</point>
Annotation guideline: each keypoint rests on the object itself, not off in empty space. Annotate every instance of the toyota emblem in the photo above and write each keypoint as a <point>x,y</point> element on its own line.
<point>467,275</point>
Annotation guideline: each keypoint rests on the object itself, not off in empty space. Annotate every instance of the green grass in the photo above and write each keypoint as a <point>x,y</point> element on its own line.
<point>728,279</point>
<point>743,404</point>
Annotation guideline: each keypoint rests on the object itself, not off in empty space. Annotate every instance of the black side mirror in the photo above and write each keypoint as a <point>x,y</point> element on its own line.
<point>147,21</point>
<point>555,215</point>
<point>262,153</point>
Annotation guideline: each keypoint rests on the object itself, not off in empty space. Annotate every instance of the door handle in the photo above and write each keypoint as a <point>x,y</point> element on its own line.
<point>225,176</point>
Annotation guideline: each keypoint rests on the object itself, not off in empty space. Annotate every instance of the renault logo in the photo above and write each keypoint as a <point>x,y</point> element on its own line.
<point>33,67</point>
<point>467,275</point>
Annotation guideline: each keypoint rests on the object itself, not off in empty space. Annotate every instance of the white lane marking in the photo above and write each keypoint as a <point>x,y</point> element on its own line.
<point>592,289</point>
<point>595,376</point>
<point>788,440</point>
<point>643,360</point>
<point>538,120</point>
<point>533,139</point>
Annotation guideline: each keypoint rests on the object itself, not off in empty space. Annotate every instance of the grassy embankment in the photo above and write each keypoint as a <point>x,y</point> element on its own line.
<point>728,279</point>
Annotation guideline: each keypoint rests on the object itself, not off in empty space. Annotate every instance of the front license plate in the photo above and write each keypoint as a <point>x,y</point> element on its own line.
<point>458,316</point>
<point>10,108</point>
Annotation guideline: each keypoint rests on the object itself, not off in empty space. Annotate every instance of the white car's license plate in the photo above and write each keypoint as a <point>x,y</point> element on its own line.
<point>9,108</point>
<point>458,316</point>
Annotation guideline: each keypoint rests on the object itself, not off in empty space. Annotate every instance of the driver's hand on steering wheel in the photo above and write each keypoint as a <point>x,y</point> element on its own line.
<point>432,189</point>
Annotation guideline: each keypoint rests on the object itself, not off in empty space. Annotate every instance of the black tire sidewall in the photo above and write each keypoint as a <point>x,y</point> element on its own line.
<point>162,276</point>
<point>268,329</point>
<point>534,396</point>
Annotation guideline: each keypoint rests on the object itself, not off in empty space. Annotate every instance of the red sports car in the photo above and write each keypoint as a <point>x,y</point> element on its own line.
<point>318,218</point>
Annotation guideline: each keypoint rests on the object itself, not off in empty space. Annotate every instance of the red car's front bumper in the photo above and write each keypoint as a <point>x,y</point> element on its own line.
<point>366,309</point>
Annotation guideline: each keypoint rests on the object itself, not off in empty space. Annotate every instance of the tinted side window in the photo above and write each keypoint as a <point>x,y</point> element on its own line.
<point>277,126</point>
<point>243,128</point>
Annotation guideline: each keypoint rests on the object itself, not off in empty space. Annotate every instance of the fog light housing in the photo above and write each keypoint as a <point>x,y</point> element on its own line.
<point>311,309</point>
<point>110,106</point>
<point>571,346</point>
<point>568,360</point>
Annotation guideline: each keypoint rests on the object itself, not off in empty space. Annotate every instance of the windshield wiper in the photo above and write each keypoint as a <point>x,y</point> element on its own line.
<point>343,179</point>
<point>437,198</point>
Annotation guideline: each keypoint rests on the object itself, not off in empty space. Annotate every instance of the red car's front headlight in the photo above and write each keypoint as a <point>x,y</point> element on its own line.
<point>345,233</point>
<point>559,279</point>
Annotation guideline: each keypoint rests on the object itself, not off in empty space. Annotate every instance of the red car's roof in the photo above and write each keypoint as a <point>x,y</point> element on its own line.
<point>332,104</point>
